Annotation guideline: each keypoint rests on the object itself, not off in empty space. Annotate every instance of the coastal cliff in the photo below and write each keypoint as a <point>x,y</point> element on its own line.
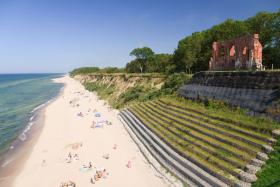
<point>119,89</point>
<point>122,81</point>
<point>123,89</point>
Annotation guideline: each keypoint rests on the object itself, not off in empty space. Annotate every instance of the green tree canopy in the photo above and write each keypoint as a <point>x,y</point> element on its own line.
<point>142,53</point>
<point>142,56</point>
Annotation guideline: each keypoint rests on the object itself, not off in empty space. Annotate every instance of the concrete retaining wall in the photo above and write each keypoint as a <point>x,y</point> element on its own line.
<point>252,90</point>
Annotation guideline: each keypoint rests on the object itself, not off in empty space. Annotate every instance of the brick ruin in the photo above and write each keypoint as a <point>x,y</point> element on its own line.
<point>240,53</point>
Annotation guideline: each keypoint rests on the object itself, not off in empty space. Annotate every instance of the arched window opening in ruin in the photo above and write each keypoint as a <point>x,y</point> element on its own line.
<point>245,53</point>
<point>232,51</point>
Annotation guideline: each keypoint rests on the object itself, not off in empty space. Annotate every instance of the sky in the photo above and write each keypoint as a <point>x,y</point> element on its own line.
<point>39,36</point>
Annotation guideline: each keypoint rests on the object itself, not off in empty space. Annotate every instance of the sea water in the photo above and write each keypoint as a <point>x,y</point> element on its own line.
<point>21,95</point>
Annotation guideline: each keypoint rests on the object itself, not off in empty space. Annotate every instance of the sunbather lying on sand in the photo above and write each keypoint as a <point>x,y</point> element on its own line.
<point>68,184</point>
<point>106,156</point>
<point>75,145</point>
<point>100,174</point>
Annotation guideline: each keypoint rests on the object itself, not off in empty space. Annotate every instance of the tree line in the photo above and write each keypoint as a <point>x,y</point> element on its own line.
<point>193,52</point>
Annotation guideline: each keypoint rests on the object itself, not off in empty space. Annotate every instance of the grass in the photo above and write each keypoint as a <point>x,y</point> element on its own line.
<point>183,114</point>
<point>140,94</point>
<point>194,141</point>
<point>219,109</point>
<point>269,175</point>
<point>201,137</point>
<point>224,124</point>
<point>103,90</point>
<point>204,131</point>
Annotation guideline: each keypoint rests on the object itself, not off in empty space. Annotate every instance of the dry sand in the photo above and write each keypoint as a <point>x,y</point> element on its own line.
<point>47,166</point>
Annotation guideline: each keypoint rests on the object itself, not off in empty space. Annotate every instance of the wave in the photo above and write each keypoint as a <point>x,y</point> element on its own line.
<point>40,106</point>
<point>31,118</point>
<point>23,135</point>
<point>7,162</point>
<point>15,83</point>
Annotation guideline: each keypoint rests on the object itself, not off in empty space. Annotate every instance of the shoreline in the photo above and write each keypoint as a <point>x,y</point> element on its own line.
<point>13,160</point>
<point>62,127</point>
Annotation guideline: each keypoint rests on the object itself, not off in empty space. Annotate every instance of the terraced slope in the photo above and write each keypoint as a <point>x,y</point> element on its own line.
<point>229,150</point>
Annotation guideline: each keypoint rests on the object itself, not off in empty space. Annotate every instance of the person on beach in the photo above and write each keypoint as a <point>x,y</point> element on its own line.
<point>69,158</point>
<point>92,181</point>
<point>115,146</point>
<point>106,156</point>
<point>76,157</point>
<point>43,163</point>
<point>89,165</point>
<point>128,165</point>
<point>93,124</point>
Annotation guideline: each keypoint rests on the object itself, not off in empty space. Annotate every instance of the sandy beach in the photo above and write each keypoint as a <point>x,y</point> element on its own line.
<point>68,131</point>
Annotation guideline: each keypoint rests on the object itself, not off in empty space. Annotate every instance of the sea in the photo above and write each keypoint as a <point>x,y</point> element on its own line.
<point>21,97</point>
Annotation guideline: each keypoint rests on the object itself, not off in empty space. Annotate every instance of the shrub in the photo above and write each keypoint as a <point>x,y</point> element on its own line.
<point>174,82</point>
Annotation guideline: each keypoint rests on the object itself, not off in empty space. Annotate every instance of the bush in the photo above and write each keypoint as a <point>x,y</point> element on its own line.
<point>174,82</point>
<point>150,95</point>
<point>269,175</point>
<point>103,90</point>
<point>88,70</point>
<point>84,70</point>
<point>131,94</point>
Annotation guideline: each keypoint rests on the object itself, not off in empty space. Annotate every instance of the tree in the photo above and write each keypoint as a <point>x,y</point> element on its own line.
<point>132,67</point>
<point>188,51</point>
<point>159,63</point>
<point>267,25</point>
<point>142,55</point>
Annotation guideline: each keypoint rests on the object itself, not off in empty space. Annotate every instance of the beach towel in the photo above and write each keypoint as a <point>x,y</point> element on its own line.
<point>85,169</point>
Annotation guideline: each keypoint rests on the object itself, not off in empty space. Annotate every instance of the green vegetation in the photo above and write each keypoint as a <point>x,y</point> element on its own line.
<point>103,90</point>
<point>219,109</point>
<point>270,173</point>
<point>147,61</point>
<point>90,70</point>
<point>174,82</point>
<point>219,139</point>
